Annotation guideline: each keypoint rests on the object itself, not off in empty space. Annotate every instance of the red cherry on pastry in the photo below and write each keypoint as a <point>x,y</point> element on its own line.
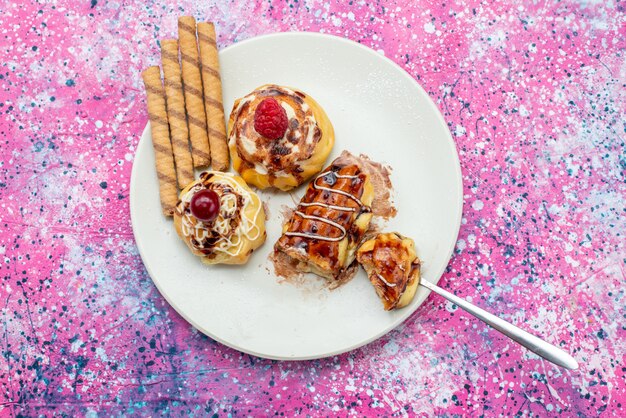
<point>270,119</point>
<point>205,205</point>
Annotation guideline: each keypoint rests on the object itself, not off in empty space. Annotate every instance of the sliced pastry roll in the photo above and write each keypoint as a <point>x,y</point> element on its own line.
<point>393,268</point>
<point>329,222</point>
<point>220,218</point>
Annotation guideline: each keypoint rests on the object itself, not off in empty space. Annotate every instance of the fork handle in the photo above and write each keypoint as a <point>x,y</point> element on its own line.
<point>535,344</point>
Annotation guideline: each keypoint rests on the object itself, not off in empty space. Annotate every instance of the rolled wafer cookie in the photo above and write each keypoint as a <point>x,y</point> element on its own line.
<point>176,112</point>
<point>194,102</point>
<point>163,157</point>
<point>213,96</point>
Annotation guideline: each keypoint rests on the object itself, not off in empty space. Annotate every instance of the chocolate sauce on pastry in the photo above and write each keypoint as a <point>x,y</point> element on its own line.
<point>289,160</point>
<point>238,227</point>
<point>329,221</point>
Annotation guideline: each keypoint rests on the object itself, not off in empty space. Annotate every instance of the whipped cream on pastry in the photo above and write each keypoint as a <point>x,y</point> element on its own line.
<point>238,227</point>
<point>289,160</point>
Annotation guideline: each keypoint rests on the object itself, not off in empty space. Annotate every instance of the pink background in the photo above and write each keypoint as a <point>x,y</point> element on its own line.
<point>534,96</point>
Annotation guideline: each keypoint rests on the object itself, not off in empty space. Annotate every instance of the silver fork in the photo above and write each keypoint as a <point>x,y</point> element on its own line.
<point>531,342</point>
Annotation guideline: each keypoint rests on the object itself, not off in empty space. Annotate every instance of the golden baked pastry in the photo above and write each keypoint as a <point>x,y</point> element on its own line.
<point>235,228</point>
<point>393,268</point>
<point>304,137</point>
<point>327,225</point>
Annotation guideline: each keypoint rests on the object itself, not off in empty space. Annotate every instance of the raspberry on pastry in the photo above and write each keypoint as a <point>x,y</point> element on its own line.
<point>278,137</point>
<point>270,119</point>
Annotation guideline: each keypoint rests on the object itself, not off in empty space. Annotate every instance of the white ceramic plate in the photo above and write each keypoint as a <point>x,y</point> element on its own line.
<point>376,109</point>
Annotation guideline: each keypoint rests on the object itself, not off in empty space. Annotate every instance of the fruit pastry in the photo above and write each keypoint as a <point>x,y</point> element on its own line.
<point>220,218</point>
<point>323,232</point>
<point>278,137</point>
<point>392,266</point>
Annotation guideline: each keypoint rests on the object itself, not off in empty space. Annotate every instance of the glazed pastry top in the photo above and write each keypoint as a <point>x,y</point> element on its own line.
<point>239,220</point>
<point>391,264</point>
<point>275,157</point>
<point>325,226</point>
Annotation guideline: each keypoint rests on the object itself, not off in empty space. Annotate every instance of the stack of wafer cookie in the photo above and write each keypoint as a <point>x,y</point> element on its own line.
<point>185,109</point>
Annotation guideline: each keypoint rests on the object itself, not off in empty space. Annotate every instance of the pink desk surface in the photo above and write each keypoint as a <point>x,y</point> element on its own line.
<point>535,98</point>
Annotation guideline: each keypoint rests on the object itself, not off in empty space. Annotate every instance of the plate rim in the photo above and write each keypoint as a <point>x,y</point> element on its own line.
<point>434,277</point>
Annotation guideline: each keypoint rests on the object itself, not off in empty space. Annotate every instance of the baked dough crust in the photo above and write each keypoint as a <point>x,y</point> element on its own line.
<point>287,162</point>
<point>324,231</point>
<point>239,228</point>
<point>393,268</point>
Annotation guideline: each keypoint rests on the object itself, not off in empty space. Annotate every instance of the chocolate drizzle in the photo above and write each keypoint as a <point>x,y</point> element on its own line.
<point>330,178</point>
